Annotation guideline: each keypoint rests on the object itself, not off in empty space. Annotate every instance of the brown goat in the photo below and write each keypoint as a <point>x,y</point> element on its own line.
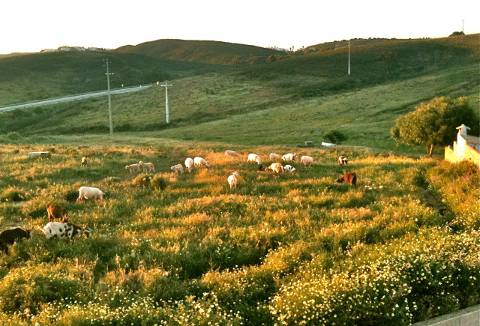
<point>348,177</point>
<point>56,212</point>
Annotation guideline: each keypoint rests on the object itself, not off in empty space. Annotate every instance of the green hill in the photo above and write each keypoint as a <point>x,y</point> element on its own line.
<point>212,52</point>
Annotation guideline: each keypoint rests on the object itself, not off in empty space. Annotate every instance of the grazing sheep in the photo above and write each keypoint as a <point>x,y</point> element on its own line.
<point>64,230</point>
<point>274,157</point>
<point>10,236</point>
<point>133,168</point>
<point>342,160</point>
<point>200,161</point>
<point>177,169</point>
<point>276,168</point>
<point>288,168</point>
<point>147,167</point>
<point>87,193</point>
<point>189,164</point>
<point>56,212</point>
<point>233,180</point>
<point>348,177</point>
<point>289,157</point>
<point>306,160</point>
<point>84,161</point>
<point>252,157</point>
<point>231,153</point>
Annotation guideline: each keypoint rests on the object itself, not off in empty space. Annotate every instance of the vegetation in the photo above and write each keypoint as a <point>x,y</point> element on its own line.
<point>276,251</point>
<point>433,123</point>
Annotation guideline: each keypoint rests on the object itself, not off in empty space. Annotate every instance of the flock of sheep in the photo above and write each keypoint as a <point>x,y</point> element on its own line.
<point>65,229</point>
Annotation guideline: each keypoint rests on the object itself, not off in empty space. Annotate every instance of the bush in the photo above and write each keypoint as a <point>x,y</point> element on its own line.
<point>335,136</point>
<point>12,195</point>
<point>158,182</point>
<point>142,180</point>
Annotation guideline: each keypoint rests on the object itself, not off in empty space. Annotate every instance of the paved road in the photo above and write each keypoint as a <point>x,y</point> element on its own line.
<point>71,98</point>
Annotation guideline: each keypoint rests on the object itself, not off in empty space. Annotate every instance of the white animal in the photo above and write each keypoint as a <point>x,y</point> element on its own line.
<point>64,230</point>
<point>147,167</point>
<point>252,157</point>
<point>274,157</point>
<point>87,193</point>
<point>200,161</point>
<point>288,168</point>
<point>306,160</point>
<point>276,168</point>
<point>289,157</point>
<point>84,161</point>
<point>231,153</point>
<point>177,168</point>
<point>132,168</point>
<point>233,180</point>
<point>189,164</point>
<point>342,160</point>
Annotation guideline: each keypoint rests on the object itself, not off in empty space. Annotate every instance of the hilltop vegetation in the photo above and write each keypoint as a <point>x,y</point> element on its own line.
<point>282,250</point>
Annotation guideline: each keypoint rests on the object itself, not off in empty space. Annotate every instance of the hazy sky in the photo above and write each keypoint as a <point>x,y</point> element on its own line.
<point>32,25</point>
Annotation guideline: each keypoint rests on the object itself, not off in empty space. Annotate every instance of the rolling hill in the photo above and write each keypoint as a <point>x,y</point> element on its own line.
<point>212,52</point>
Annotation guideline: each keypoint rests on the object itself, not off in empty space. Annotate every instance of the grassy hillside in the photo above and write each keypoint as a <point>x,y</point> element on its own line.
<point>213,52</point>
<point>278,250</point>
<point>43,75</point>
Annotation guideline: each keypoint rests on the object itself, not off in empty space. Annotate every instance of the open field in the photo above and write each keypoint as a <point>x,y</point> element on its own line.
<point>284,250</point>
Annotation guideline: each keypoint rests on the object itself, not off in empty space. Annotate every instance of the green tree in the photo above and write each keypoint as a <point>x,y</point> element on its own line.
<point>433,123</point>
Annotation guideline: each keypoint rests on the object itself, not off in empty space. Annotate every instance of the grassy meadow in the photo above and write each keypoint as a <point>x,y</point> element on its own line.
<point>295,249</point>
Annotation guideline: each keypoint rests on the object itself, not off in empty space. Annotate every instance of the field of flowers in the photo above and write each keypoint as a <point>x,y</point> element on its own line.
<point>401,246</point>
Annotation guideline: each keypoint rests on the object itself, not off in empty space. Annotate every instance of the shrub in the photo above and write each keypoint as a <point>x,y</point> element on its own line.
<point>335,136</point>
<point>158,182</point>
<point>142,180</point>
<point>12,195</point>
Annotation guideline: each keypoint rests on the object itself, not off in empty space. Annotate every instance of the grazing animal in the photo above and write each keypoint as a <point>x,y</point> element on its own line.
<point>289,157</point>
<point>64,230</point>
<point>56,212</point>
<point>147,167</point>
<point>306,160</point>
<point>342,160</point>
<point>200,161</point>
<point>189,164</point>
<point>252,157</point>
<point>348,177</point>
<point>288,168</point>
<point>10,236</point>
<point>133,168</point>
<point>87,193</point>
<point>233,180</point>
<point>177,169</point>
<point>276,168</point>
<point>84,161</point>
<point>274,157</point>
<point>231,153</point>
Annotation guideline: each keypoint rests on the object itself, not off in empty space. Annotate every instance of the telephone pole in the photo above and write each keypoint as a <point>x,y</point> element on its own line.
<point>349,57</point>
<point>108,73</point>
<point>167,109</point>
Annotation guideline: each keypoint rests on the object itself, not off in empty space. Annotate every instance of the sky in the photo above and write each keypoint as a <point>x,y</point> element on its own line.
<point>32,25</point>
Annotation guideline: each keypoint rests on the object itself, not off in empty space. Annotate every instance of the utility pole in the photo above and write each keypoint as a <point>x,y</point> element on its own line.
<point>167,109</point>
<point>108,73</point>
<point>463,26</point>
<point>349,57</point>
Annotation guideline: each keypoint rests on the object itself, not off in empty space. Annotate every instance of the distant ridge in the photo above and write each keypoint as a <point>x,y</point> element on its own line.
<point>212,52</point>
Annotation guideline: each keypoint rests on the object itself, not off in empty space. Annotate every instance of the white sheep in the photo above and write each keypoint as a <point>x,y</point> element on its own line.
<point>200,161</point>
<point>147,167</point>
<point>233,180</point>
<point>342,160</point>
<point>289,157</point>
<point>189,164</point>
<point>252,157</point>
<point>306,160</point>
<point>274,157</point>
<point>177,169</point>
<point>288,168</point>
<point>87,193</point>
<point>276,168</point>
<point>132,168</point>
<point>231,153</point>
